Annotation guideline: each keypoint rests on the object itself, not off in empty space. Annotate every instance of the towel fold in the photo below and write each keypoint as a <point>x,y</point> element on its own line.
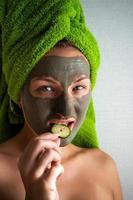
<point>28,30</point>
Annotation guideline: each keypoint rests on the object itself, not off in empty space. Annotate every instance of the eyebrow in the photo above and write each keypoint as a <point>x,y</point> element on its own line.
<point>50,79</point>
<point>81,78</point>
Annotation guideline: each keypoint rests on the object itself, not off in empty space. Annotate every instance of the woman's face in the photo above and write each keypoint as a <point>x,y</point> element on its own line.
<point>57,89</point>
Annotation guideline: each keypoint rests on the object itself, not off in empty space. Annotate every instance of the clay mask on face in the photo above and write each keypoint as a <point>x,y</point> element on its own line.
<point>51,89</point>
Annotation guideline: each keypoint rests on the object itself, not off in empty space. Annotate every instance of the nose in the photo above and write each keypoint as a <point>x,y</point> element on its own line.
<point>65,106</point>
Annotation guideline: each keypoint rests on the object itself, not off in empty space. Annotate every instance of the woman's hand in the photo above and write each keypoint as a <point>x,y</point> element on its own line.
<point>39,166</point>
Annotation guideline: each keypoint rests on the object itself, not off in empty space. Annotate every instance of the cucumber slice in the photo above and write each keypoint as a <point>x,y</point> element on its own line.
<point>61,130</point>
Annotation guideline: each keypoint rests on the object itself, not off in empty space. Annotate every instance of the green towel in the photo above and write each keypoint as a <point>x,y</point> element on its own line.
<point>28,30</point>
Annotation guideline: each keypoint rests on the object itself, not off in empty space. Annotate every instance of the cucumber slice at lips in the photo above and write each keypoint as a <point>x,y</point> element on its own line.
<point>61,130</point>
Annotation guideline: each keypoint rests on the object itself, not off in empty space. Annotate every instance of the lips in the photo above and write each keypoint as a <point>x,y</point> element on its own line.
<point>69,122</point>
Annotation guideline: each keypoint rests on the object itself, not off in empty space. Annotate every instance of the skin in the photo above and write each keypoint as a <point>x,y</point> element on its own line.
<point>88,173</point>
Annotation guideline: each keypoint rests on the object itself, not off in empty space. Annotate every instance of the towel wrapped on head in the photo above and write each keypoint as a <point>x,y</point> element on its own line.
<point>28,30</point>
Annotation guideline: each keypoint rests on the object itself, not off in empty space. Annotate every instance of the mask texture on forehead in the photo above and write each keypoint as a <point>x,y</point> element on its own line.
<point>59,66</point>
<point>24,40</point>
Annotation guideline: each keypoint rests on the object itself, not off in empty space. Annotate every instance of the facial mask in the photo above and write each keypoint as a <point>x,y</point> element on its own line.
<point>51,92</point>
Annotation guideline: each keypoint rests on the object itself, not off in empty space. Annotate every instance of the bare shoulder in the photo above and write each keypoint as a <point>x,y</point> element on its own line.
<point>105,165</point>
<point>7,163</point>
<point>9,176</point>
<point>5,172</point>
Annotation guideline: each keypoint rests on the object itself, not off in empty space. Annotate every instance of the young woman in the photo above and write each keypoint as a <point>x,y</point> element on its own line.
<point>45,166</point>
<point>48,66</point>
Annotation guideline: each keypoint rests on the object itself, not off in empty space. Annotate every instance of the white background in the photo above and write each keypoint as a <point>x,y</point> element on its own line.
<point>111,22</point>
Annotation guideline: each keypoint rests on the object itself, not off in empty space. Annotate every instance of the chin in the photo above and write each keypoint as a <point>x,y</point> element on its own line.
<point>66,141</point>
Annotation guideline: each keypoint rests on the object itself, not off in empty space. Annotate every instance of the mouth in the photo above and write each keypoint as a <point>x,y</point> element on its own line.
<point>69,122</point>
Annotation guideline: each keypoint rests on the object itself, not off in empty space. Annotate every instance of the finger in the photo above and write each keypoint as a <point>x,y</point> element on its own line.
<point>48,136</point>
<point>44,162</point>
<point>29,155</point>
<point>53,175</point>
<point>44,150</point>
<point>56,139</point>
<point>45,136</point>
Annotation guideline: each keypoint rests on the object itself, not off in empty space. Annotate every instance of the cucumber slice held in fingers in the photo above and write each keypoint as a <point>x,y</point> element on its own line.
<point>61,130</point>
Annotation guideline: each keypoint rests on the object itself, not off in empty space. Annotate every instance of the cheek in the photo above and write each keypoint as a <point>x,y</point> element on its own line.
<point>84,101</point>
<point>35,111</point>
<point>84,104</point>
<point>36,116</point>
<point>35,108</point>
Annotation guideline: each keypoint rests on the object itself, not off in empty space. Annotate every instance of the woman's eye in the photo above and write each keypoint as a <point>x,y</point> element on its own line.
<point>45,89</point>
<point>79,87</point>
